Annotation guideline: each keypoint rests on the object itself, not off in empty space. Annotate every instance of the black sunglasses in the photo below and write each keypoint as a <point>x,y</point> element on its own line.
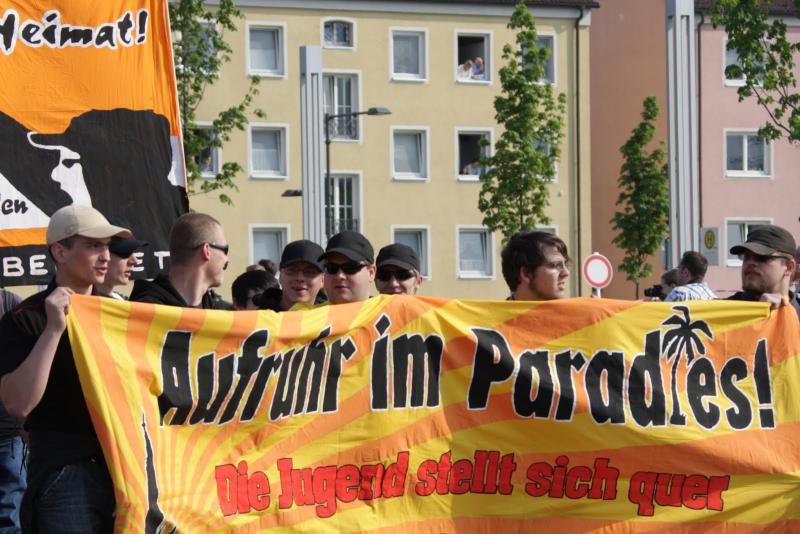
<point>401,275</point>
<point>223,248</point>
<point>351,267</point>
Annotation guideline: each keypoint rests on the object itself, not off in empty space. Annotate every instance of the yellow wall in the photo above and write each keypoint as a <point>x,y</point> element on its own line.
<point>441,104</point>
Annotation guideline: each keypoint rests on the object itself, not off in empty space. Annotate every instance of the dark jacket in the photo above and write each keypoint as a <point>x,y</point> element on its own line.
<point>794,300</point>
<point>161,291</point>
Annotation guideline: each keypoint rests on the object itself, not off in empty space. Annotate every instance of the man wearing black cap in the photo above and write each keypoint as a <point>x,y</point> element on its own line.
<point>300,273</point>
<point>349,267</point>
<point>398,270</point>
<point>120,266</point>
<point>767,266</point>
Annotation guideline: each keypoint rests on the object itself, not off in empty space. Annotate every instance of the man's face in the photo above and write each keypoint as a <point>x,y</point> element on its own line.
<point>765,274</point>
<point>549,280</point>
<point>120,270</point>
<point>218,259</point>
<point>342,287</point>
<point>300,281</point>
<point>393,280</point>
<point>85,263</point>
<point>684,275</point>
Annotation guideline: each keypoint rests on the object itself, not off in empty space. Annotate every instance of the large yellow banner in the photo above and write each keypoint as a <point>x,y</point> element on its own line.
<point>405,414</point>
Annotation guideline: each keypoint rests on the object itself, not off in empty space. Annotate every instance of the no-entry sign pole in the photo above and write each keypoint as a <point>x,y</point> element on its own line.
<point>597,271</point>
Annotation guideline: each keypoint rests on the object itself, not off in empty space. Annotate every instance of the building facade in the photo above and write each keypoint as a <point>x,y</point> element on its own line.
<point>406,176</point>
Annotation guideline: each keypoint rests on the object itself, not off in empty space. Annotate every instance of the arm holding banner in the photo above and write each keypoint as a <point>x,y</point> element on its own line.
<point>22,389</point>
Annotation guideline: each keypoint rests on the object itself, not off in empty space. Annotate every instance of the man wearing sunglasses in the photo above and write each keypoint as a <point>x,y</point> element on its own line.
<point>349,267</point>
<point>767,266</point>
<point>398,270</point>
<point>198,258</point>
<point>120,265</point>
<point>536,266</point>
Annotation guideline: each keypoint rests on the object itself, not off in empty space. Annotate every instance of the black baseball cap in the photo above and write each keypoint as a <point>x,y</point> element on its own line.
<point>766,240</point>
<point>351,244</point>
<point>302,250</point>
<point>398,255</point>
<point>125,246</point>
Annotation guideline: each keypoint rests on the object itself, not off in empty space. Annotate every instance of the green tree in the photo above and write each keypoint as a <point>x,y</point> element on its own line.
<point>766,62</point>
<point>515,189</point>
<point>200,50</point>
<point>643,222</point>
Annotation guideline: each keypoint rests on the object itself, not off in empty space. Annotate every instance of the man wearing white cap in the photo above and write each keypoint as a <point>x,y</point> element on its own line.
<point>40,383</point>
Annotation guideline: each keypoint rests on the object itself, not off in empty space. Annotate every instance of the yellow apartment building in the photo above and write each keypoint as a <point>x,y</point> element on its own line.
<point>403,177</point>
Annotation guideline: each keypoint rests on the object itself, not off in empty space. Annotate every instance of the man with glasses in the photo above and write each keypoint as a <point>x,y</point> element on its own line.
<point>398,270</point>
<point>536,266</point>
<point>120,265</point>
<point>349,267</point>
<point>767,266</point>
<point>198,258</point>
<point>300,273</point>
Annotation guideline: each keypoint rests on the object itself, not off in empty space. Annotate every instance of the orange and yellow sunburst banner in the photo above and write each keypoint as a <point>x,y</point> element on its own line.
<point>405,414</point>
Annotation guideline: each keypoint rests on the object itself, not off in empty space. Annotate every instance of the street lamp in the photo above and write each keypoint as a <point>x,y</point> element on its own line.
<point>328,118</point>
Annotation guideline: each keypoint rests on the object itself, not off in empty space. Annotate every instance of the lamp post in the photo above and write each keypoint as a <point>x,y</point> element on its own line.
<point>328,118</point>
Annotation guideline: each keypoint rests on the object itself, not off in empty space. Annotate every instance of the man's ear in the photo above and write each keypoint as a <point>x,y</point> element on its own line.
<point>372,270</point>
<point>525,277</point>
<point>58,252</point>
<point>791,264</point>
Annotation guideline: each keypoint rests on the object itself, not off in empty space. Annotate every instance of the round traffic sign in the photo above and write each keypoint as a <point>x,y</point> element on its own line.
<point>597,271</point>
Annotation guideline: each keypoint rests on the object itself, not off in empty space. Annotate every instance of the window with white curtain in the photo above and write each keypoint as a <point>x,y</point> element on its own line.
<point>417,240</point>
<point>408,55</point>
<point>474,253</point>
<point>410,159</point>
<point>342,204</point>
<point>265,49</point>
<point>268,152</point>
<point>268,243</point>
<point>338,34</point>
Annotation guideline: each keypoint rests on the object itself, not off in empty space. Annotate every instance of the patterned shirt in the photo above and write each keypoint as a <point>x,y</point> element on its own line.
<point>698,291</point>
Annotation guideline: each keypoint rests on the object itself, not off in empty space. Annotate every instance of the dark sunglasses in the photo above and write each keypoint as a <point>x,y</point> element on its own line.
<point>401,275</point>
<point>223,248</point>
<point>351,267</point>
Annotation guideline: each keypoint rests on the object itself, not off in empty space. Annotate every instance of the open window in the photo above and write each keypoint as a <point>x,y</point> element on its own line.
<point>472,145</point>
<point>473,57</point>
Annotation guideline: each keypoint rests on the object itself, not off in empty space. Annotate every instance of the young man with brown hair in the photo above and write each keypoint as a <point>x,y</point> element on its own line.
<point>536,266</point>
<point>69,487</point>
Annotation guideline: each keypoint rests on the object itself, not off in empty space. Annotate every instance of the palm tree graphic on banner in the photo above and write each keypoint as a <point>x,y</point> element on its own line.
<point>682,338</point>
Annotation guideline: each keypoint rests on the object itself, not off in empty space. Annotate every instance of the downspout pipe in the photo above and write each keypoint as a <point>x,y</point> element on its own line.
<point>578,255</point>
<point>700,117</point>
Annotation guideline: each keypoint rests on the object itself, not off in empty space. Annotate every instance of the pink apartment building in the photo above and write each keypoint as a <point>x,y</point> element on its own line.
<point>744,180</point>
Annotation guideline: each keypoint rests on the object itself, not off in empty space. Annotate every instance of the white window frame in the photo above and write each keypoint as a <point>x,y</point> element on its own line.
<point>738,82</point>
<point>555,167</point>
<point>284,229</point>
<point>740,220</point>
<point>768,154</point>
<point>470,130</point>
<point>357,105</point>
<point>353,33</point>
<point>358,191</point>
<point>426,167</point>
<point>216,153</point>
<point>491,243</point>
<point>268,175</point>
<point>547,227</point>
<point>283,67</point>
<point>403,77</point>
<point>425,263</point>
<point>488,64</point>
<point>553,55</point>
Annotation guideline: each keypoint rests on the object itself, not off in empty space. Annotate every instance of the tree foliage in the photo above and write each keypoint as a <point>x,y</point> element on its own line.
<point>766,62</point>
<point>643,220</point>
<point>200,50</point>
<point>515,189</point>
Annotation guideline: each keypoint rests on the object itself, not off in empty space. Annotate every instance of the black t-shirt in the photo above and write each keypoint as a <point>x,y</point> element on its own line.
<point>794,300</point>
<point>9,426</point>
<point>62,409</point>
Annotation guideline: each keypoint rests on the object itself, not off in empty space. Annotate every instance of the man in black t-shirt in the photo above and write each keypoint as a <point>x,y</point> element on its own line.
<point>69,487</point>
<point>12,468</point>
